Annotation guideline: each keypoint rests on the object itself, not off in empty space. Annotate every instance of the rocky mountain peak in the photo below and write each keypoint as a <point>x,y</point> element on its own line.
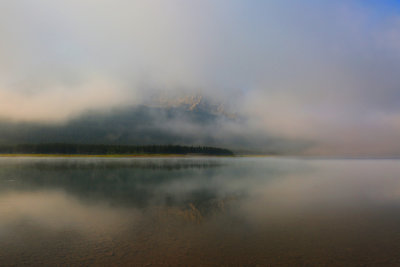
<point>193,103</point>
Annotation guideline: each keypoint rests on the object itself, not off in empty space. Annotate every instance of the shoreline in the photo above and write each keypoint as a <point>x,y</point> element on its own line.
<point>110,156</point>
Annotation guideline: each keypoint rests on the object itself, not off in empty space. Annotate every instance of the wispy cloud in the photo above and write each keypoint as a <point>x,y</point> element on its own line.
<point>320,72</point>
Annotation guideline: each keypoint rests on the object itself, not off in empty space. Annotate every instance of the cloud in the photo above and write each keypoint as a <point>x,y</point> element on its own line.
<point>60,102</point>
<point>318,72</point>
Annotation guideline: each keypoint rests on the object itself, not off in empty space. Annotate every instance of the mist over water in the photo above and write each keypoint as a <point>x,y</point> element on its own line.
<point>199,212</point>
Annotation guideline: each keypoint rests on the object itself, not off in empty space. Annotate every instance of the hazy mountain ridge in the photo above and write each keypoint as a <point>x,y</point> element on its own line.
<point>133,125</point>
<point>195,102</point>
<point>186,121</point>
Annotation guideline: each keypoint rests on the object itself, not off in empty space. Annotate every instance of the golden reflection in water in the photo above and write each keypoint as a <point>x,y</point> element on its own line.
<point>242,213</point>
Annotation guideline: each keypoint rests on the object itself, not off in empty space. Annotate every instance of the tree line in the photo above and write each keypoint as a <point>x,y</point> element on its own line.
<point>92,149</point>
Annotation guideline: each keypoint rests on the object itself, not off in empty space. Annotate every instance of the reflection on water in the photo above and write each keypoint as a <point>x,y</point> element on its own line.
<point>199,212</point>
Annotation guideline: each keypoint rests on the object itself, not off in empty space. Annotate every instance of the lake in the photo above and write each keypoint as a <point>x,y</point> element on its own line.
<point>199,212</point>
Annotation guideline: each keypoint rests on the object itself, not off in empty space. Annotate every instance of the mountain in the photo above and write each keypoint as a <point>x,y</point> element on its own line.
<point>181,121</point>
<point>134,125</point>
<point>195,103</point>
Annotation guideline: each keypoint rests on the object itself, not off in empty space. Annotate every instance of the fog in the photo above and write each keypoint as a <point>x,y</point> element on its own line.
<point>324,74</point>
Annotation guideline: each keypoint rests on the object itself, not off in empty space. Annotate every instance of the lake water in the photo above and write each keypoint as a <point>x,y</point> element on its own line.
<point>199,212</point>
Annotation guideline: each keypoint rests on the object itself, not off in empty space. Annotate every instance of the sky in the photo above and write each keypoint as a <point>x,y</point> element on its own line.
<point>322,72</point>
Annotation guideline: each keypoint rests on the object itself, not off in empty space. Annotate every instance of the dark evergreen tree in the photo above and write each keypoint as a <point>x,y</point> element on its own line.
<point>88,149</point>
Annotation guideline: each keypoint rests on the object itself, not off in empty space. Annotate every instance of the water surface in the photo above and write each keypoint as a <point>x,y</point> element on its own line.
<point>199,212</point>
